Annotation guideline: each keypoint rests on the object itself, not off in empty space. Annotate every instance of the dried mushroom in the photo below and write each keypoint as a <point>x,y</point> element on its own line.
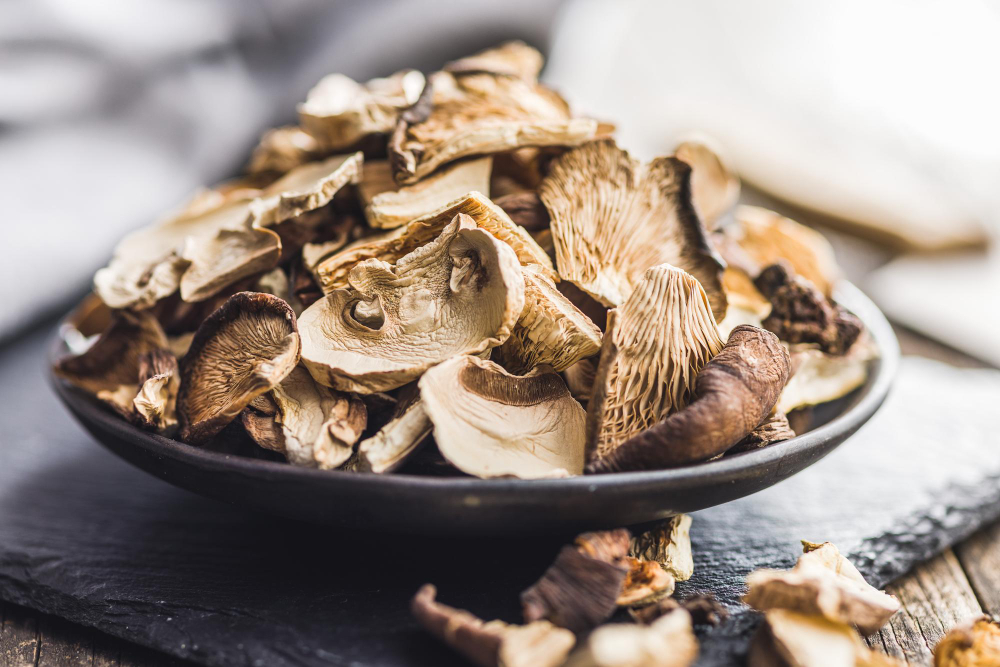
<point>819,377</point>
<point>654,347</point>
<point>156,402</point>
<point>399,438</point>
<point>242,350</point>
<point>746,304</point>
<point>258,421</point>
<point>492,644</point>
<point>612,218</point>
<point>282,149</point>
<point>975,643</point>
<point>668,641</point>
<point>230,255</point>
<point>645,583</point>
<point>791,639</point>
<point>772,430</point>
<point>704,610</point>
<point>525,209</point>
<point>489,423</point>
<point>715,187</point>
<point>514,58</point>
<point>459,294</point>
<point>305,188</point>
<point>669,544</point>
<point>83,326</point>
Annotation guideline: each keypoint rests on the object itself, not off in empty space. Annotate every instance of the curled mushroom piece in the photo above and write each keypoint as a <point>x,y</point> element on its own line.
<point>492,644</point>
<point>459,294</point>
<point>401,436</point>
<point>489,423</point>
<point>242,350</point>
<point>258,421</point>
<point>791,639</point>
<point>669,544</point>
<point>715,187</point>
<point>305,188</point>
<point>819,377</point>
<point>645,583</point>
<point>282,149</point>
<point>733,393</point>
<point>222,260</point>
<point>746,304</point>
<point>514,58</point>
<point>668,641</point>
<point>772,430</point>
<point>975,643</point>
<point>612,218</point>
<point>83,326</point>
<point>156,402</point>
<point>704,610</point>
<point>654,347</point>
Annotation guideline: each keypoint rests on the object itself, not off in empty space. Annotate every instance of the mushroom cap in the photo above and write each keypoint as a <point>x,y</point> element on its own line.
<point>613,217</point>
<point>459,294</point>
<point>242,350</point>
<point>715,187</point>
<point>489,423</point>
<point>514,58</point>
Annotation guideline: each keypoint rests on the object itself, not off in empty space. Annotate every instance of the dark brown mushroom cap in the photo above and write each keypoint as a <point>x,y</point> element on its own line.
<point>734,392</point>
<point>242,350</point>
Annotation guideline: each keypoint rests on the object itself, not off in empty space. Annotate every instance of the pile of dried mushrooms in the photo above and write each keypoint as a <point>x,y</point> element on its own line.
<point>455,273</point>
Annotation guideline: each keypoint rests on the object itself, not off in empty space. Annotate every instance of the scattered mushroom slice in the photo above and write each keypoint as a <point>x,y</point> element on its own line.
<point>746,304</point>
<point>242,350</point>
<point>819,377</point>
<point>550,330</point>
<point>654,347</point>
<point>479,114</point>
<point>975,643</point>
<point>733,393</point>
<point>220,261</point>
<point>645,583</point>
<point>388,206</point>
<point>389,448</point>
<point>156,402</point>
<point>772,430</point>
<point>669,544</point>
<point>580,589</point>
<point>459,294</point>
<point>790,639</point>
<point>513,58</point>
<point>305,188</point>
<point>612,218</point>
<point>339,112</point>
<point>715,187</point>
<point>668,641</point>
<point>282,149</point>
<point>489,423</point>
<point>390,247</point>
<point>492,644</point>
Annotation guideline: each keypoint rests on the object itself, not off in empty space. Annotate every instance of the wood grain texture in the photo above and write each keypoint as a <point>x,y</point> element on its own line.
<point>980,557</point>
<point>18,636</point>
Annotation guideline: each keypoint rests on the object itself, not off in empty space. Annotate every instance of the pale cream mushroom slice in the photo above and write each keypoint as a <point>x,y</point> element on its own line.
<point>339,112</point>
<point>668,641</point>
<point>654,346</point>
<point>332,272</point>
<point>459,294</point>
<point>613,217</point>
<point>305,188</point>
<point>669,544</point>
<point>489,423</point>
<point>514,58</point>
<point>83,326</point>
<point>402,436</point>
<point>232,254</point>
<point>282,149</point>
<point>791,639</point>
<point>242,350</point>
<point>715,187</point>
<point>818,377</point>
<point>388,205</point>
<point>480,113</point>
<point>550,331</point>
<point>746,304</point>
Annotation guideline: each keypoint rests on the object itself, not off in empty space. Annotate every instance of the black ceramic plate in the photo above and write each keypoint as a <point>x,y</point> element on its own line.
<point>462,506</point>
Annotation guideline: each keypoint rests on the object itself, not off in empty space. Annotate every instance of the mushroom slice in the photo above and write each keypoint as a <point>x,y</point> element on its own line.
<point>388,206</point>
<point>668,641</point>
<point>332,272</point>
<point>242,350</point>
<point>645,583</point>
<point>492,644</point>
<point>614,217</point>
<point>791,639</point>
<point>746,304</point>
<point>83,326</point>
<point>156,402</point>
<point>459,294</point>
<point>282,149</point>
<point>479,114</point>
<point>704,610</point>
<point>715,187</point>
<point>773,430</point>
<point>514,58</point>
<point>733,393</point>
<point>819,377</point>
<point>396,441</point>
<point>489,423</point>
<point>258,422</point>
<point>550,331</point>
<point>669,544</point>
<point>580,379</point>
<point>305,188</point>
<point>654,347</point>
<point>339,111</point>
<point>231,255</point>
<point>527,210</point>
<point>975,643</point>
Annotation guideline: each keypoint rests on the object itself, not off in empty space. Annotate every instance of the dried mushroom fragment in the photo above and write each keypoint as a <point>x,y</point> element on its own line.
<point>746,304</point>
<point>580,379</point>
<point>613,218</point>
<point>155,404</point>
<point>222,260</point>
<point>492,644</point>
<point>733,393</point>
<point>389,448</point>
<point>654,347</point>
<point>305,188</point>
<point>715,187</point>
<point>669,544</point>
<point>645,583</point>
<point>550,331</point>
<point>525,209</point>
<point>83,326</point>
<point>704,610</point>
<point>489,423</point>
<point>258,421</point>
<point>242,350</point>
<point>667,642</point>
<point>580,589</point>
<point>820,377</point>
<point>975,643</point>
<point>283,149</point>
<point>388,206</point>
<point>772,430</point>
<point>339,112</point>
<point>459,294</point>
<point>513,58</point>
<point>790,639</point>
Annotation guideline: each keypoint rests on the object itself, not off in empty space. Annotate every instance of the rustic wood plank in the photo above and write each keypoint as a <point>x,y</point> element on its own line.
<point>18,636</point>
<point>63,644</point>
<point>980,556</point>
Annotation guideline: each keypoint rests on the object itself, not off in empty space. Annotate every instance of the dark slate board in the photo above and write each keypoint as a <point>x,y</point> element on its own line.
<point>85,536</point>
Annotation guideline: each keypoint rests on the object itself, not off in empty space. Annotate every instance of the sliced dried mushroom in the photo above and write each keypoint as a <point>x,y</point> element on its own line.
<point>704,610</point>
<point>389,448</point>
<point>388,205</point>
<point>258,421</point>
<point>230,255</point>
<point>514,58</point>
<point>819,377</point>
<point>669,544</point>
<point>156,402</point>
<point>715,187</point>
<point>734,392</point>
<point>645,583</point>
<point>772,430</point>
<point>746,304</point>
<point>525,209</point>
<point>654,347</point>
<point>580,379</point>
<point>612,218</point>
<point>282,149</point>
<point>459,294</point>
<point>83,326</point>
<point>492,644</point>
<point>242,350</point>
<point>305,188</point>
<point>790,639</point>
<point>975,643</point>
<point>489,423</point>
<point>668,641</point>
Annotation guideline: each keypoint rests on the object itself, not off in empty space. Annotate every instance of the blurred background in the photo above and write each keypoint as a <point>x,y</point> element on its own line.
<point>875,121</point>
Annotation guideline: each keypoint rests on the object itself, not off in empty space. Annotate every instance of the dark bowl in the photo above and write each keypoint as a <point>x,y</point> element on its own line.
<point>463,506</point>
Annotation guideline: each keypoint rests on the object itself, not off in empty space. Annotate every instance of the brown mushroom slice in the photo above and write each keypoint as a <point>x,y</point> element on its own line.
<point>459,294</point>
<point>388,205</point>
<point>654,347</point>
<point>305,188</point>
<point>668,641</point>
<point>492,644</point>
<point>669,544</point>
<point>397,440</point>
<point>527,210</point>
<point>282,149</point>
<point>975,643</point>
<point>645,583</point>
<point>715,187</point>
<point>489,423</point>
<point>820,377</point>
<point>580,379</point>
<point>733,393</point>
<point>155,404</point>
<point>258,421</point>
<point>339,111</point>
<point>612,218</point>
<point>772,430</point>
<point>791,639</point>
<point>704,610</point>
<point>514,58</point>
<point>332,272</point>
<point>550,331</point>
<point>480,114</point>
<point>242,350</point>
<point>231,255</point>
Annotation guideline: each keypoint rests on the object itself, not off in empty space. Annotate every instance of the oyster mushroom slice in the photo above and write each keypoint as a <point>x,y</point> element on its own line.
<point>242,350</point>
<point>401,436</point>
<point>655,345</point>
<point>489,423</point>
<point>613,217</point>
<point>332,272</point>
<point>459,294</point>
<point>550,330</point>
<point>715,187</point>
<point>514,58</point>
